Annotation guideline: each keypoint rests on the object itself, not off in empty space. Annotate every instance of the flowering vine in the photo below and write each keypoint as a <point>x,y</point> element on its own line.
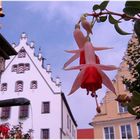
<point>91,74</point>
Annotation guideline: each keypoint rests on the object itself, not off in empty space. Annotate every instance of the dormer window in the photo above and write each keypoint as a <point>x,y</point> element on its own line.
<point>22,53</point>
<point>20,68</point>
<point>19,86</point>
<point>3,86</point>
<point>26,66</point>
<point>33,84</point>
<point>14,68</point>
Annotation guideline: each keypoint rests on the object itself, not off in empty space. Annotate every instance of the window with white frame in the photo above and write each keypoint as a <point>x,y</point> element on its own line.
<point>45,133</point>
<point>126,132</point>
<point>122,109</point>
<point>3,86</point>
<point>19,86</point>
<point>109,132</point>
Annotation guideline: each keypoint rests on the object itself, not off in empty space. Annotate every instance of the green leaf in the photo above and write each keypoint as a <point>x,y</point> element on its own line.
<point>132,7</point>
<point>132,3</point>
<point>137,29</point>
<point>130,110</point>
<point>136,94</point>
<point>120,31</point>
<point>112,20</point>
<point>132,11</point>
<point>96,7</point>
<point>103,18</point>
<point>103,5</point>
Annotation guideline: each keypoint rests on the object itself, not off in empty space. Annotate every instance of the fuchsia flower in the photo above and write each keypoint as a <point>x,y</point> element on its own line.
<point>80,40</point>
<point>91,75</point>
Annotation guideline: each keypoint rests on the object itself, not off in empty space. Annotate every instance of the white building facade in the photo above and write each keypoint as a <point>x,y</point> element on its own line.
<point>48,114</point>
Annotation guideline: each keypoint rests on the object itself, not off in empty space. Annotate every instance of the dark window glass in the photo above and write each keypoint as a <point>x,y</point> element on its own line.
<point>20,68</point>
<point>22,53</point>
<point>122,109</point>
<point>14,68</point>
<point>126,132</point>
<point>26,66</point>
<point>44,133</point>
<point>24,111</point>
<point>4,87</point>
<point>46,107</point>
<point>19,86</point>
<point>33,84</point>
<point>5,113</point>
<point>109,132</point>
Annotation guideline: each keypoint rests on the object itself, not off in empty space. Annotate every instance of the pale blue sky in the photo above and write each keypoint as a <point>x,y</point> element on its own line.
<point>50,25</point>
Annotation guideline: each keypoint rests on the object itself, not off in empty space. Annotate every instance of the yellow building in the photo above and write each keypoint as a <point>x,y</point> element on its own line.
<point>114,121</point>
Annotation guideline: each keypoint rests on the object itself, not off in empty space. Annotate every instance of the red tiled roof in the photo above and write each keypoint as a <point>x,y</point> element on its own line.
<point>85,133</point>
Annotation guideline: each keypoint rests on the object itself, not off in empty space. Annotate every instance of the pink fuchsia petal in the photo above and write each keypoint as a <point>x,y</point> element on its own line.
<point>73,51</point>
<point>74,57</point>
<point>101,48</point>
<point>107,82</point>
<point>86,25</point>
<point>107,67</point>
<point>89,53</point>
<point>78,81</point>
<point>79,38</point>
<point>76,67</point>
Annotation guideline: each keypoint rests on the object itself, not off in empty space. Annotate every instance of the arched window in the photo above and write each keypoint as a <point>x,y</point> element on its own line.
<point>19,86</point>
<point>3,86</point>
<point>33,84</point>
<point>20,68</point>
<point>22,53</point>
<point>14,68</point>
<point>26,66</point>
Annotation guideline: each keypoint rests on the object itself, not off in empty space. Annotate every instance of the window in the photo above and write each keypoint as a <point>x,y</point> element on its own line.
<point>14,68</point>
<point>46,107</point>
<point>5,113</point>
<point>22,53</point>
<point>109,132</point>
<point>26,66</point>
<point>122,109</point>
<point>44,133</point>
<point>33,85</point>
<point>24,111</point>
<point>19,86</point>
<point>20,68</point>
<point>3,86</point>
<point>68,125</point>
<point>126,132</point>
<point>138,125</point>
<point>73,131</point>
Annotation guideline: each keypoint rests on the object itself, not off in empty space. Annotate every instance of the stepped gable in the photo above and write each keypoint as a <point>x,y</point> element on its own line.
<point>38,62</point>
